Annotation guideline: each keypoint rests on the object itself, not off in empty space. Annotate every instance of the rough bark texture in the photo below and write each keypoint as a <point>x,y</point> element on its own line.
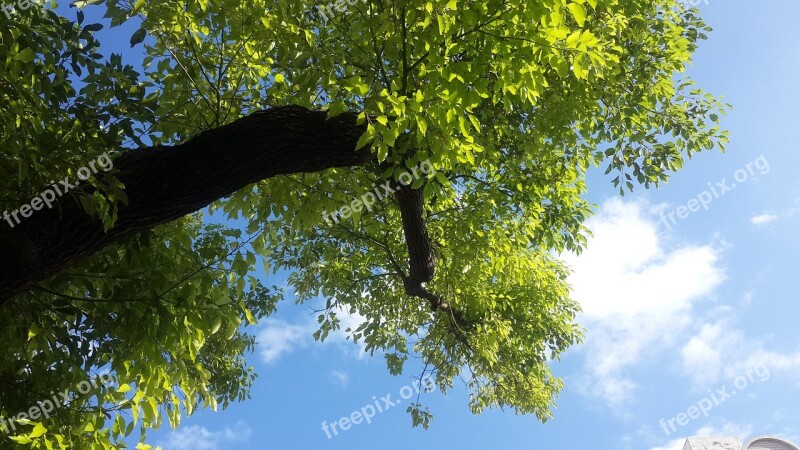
<point>421,254</point>
<point>165,183</point>
<point>422,260</point>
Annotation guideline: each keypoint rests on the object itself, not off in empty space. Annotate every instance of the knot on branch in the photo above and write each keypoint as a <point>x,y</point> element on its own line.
<point>415,288</point>
<point>421,256</point>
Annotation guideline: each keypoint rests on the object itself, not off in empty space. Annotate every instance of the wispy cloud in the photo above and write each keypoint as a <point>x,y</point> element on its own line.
<point>702,355</point>
<point>767,218</point>
<point>340,378</point>
<point>640,297</point>
<point>637,294</point>
<point>763,219</point>
<point>348,323</point>
<point>197,437</point>
<point>720,350</point>
<point>278,337</point>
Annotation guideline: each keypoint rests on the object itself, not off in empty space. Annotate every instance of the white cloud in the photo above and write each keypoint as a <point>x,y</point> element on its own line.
<point>640,297</point>
<point>351,322</point>
<point>626,270</point>
<point>721,351</point>
<point>278,337</point>
<point>196,437</point>
<point>702,356</point>
<point>347,321</point>
<point>763,219</point>
<point>340,377</point>
<point>731,429</point>
<point>759,357</point>
<point>768,218</point>
<point>637,295</point>
<point>645,301</point>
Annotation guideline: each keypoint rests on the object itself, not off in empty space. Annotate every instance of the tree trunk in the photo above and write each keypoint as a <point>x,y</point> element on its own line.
<point>166,183</point>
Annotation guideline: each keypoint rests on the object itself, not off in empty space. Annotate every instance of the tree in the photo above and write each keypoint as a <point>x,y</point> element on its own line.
<point>471,124</point>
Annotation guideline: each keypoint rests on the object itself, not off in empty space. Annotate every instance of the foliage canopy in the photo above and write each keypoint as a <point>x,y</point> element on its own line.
<point>511,101</point>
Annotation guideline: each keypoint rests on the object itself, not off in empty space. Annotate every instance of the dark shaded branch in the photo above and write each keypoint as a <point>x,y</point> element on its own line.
<point>421,257</point>
<point>165,183</point>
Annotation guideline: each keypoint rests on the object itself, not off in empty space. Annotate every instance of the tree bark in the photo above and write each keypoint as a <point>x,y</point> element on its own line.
<point>166,183</point>
<point>421,257</point>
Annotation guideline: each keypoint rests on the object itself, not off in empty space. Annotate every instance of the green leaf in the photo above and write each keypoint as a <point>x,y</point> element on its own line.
<point>93,27</point>
<point>38,430</point>
<point>34,331</point>
<point>26,55</point>
<point>579,67</point>
<point>365,138</point>
<point>579,12</point>
<point>138,36</point>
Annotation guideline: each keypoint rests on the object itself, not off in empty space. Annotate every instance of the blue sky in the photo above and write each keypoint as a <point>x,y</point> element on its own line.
<point>679,315</point>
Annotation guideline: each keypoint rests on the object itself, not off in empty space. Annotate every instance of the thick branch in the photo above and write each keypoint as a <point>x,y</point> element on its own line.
<point>416,289</point>
<point>166,183</point>
<point>422,259</point>
<point>421,255</point>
